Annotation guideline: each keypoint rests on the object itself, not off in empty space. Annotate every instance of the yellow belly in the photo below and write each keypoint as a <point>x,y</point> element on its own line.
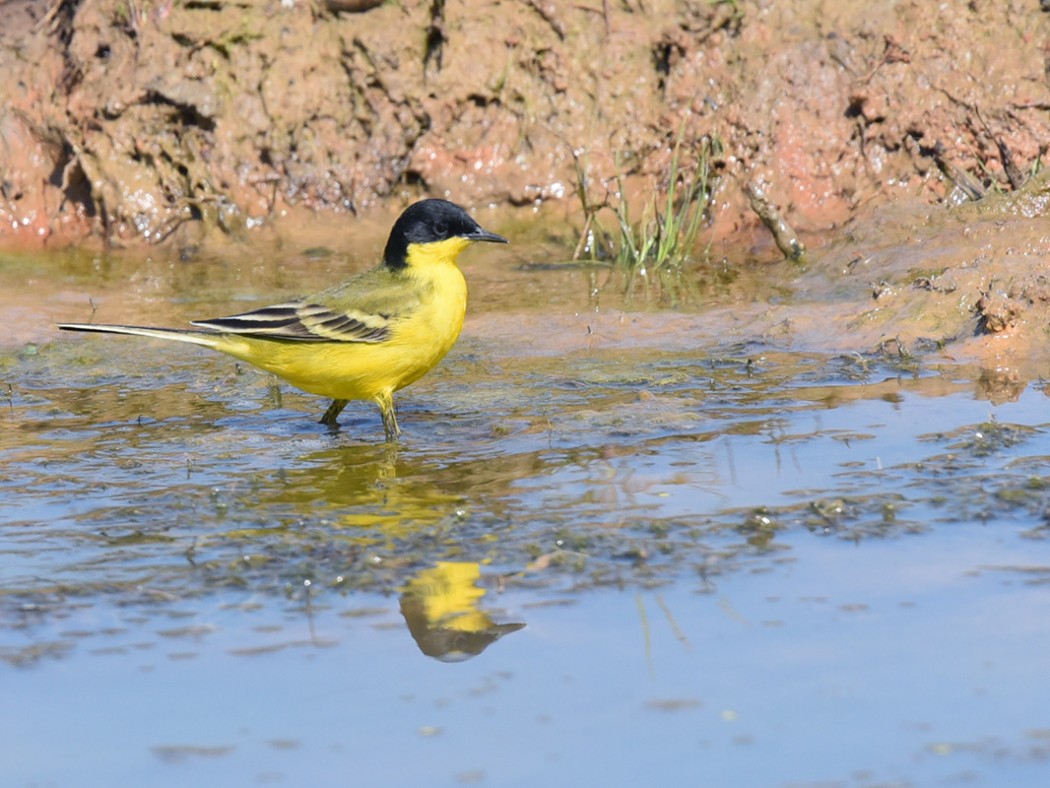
<point>362,370</point>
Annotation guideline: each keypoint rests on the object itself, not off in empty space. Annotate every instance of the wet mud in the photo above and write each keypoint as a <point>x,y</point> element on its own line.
<point>929,284</point>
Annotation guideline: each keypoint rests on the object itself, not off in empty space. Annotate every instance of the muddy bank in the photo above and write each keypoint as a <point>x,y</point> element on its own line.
<point>898,140</point>
<point>152,122</point>
<point>910,284</point>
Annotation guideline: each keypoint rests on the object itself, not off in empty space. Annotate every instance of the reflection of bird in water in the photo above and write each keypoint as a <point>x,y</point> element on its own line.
<point>440,606</point>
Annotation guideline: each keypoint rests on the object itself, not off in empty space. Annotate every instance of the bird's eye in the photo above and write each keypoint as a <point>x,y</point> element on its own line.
<point>440,229</point>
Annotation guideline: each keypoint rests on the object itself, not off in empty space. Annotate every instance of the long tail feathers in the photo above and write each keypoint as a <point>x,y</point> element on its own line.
<point>206,338</point>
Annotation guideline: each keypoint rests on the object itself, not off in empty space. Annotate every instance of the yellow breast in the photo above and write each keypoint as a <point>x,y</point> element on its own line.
<point>424,337</point>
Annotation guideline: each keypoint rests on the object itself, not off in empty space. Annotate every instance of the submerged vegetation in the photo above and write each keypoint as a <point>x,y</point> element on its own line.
<point>667,234</point>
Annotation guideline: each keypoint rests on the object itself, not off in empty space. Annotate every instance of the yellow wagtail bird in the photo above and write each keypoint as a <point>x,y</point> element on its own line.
<point>366,338</point>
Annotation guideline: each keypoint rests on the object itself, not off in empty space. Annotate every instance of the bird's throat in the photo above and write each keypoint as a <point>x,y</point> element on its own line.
<point>437,253</point>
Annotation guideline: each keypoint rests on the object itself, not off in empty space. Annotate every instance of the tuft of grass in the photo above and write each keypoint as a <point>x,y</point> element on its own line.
<point>667,235</point>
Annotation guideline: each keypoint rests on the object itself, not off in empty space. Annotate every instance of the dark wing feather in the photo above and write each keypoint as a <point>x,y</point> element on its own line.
<point>304,322</point>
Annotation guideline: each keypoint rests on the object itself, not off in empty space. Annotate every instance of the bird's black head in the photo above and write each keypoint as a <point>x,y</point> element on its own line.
<point>432,221</point>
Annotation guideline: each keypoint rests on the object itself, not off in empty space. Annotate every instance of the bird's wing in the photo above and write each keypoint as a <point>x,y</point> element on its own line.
<point>306,322</point>
<point>362,309</point>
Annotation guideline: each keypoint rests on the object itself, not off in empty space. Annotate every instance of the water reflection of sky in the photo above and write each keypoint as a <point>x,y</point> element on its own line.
<point>898,660</point>
<point>828,584</point>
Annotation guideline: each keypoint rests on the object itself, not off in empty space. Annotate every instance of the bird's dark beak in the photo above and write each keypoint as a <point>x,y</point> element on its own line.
<point>485,235</point>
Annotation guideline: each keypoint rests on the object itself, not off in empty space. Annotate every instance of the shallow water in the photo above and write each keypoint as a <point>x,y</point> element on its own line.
<point>617,543</point>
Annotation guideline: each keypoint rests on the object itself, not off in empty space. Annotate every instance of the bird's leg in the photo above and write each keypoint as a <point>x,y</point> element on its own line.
<point>331,416</point>
<point>385,401</point>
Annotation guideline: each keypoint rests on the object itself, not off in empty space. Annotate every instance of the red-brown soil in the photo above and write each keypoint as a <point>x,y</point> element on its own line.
<point>140,122</point>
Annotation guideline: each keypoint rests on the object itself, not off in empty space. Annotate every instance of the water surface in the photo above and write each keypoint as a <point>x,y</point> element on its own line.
<point>617,543</point>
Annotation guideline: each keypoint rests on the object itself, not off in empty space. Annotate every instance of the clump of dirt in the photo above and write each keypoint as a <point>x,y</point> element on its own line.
<point>143,122</point>
<point>1001,308</point>
<point>968,283</point>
